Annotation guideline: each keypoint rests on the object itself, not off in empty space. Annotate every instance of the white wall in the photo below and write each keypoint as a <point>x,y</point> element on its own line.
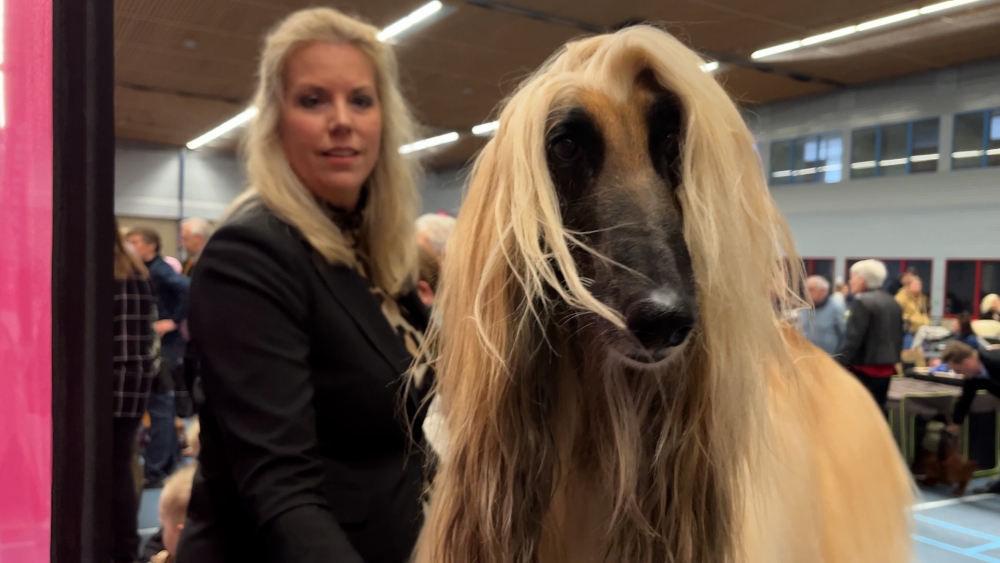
<point>443,190</point>
<point>148,181</point>
<point>948,214</point>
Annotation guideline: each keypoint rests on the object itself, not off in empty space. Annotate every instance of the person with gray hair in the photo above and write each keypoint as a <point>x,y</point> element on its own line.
<point>824,326</point>
<point>874,330</point>
<point>433,230</point>
<point>195,233</point>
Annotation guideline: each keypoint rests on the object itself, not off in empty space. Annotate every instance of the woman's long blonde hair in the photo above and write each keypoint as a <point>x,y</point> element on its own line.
<point>668,451</point>
<point>387,228</point>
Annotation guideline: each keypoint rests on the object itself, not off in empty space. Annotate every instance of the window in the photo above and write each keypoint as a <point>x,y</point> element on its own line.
<point>807,160</point>
<point>977,140</point>
<point>897,149</point>
<point>896,267</point>
<point>967,282</point>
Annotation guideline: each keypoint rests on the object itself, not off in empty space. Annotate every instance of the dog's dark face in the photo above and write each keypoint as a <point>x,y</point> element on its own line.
<point>616,167</point>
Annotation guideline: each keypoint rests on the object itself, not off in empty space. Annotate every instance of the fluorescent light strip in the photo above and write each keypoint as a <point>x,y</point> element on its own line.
<point>244,116</point>
<point>415,17</point>
<point>392,30</point>
<point>428,143</point>
<point>710,66</point>
<point>781,174</point>
<point>824,37</point>
<point>784,47</point>
<point>924,157</point>
<point>893,162</point>
<point>967,154</point>
<point>863,165</point>
<point>888,20</point>
<point>945,6</point>
<point>485,129</point>
<point>861,27</point>
<point>993,152</point>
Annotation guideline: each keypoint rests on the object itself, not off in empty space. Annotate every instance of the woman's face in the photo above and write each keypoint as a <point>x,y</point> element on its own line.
<point>331,120</point>
<point>916,286</point>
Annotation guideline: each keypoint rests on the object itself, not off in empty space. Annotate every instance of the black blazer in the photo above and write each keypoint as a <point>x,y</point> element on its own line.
<point>874,330</point>
<point>305,454</point>
<point>970,387</point>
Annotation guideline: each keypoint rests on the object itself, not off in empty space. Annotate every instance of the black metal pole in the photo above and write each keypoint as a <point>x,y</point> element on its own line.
<point>82,279</point>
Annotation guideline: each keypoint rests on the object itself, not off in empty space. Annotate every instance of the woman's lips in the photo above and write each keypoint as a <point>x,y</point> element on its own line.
<point>341,156</point>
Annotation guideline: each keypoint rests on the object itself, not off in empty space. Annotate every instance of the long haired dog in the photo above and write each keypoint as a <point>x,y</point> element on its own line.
<point>617,384</point>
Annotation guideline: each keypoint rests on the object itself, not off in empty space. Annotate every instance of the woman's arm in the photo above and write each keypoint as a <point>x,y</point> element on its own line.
<point>249,316</point>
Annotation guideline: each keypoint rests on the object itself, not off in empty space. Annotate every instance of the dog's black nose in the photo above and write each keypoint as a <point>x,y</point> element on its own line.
<point>661,320</point>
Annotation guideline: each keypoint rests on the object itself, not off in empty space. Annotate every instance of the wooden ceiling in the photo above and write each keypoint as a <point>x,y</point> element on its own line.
<point>185,66</point>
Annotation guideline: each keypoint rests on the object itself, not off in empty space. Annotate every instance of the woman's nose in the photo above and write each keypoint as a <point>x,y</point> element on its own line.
<point>340,119</point>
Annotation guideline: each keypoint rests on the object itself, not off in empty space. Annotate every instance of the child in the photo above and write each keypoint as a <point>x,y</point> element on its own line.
<point>173,511</point>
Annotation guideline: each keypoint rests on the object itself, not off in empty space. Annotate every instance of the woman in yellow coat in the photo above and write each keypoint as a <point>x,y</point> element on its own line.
<point>914,304</point>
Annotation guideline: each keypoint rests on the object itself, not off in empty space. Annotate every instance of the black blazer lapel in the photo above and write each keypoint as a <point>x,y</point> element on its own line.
<point>351,291</point>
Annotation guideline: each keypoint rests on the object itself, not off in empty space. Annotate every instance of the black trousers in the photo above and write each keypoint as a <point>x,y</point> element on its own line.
<point>877,386</point>
<point>124,503</point>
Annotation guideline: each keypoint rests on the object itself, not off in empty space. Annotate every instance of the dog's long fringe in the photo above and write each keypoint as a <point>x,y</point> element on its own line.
<point>670,450</point>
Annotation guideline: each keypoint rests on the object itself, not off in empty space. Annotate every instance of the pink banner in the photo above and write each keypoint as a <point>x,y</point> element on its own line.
<point>25,280</point>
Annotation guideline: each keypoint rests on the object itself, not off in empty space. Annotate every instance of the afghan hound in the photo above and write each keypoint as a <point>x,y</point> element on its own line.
<point>617,382</point>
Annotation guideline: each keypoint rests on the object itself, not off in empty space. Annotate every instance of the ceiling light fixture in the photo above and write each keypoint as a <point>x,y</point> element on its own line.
<point>428,143</point>
<point>824,37</point>
<point>394,29</point>
<point>710,66</point>
<point>861,27</point>
<point>244,116</point>
<point>485,129</point>
<point>411,20</point>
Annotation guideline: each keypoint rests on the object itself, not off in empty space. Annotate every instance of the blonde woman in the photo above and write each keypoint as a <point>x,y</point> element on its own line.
<point>305,316</point>
<point>134,368</point>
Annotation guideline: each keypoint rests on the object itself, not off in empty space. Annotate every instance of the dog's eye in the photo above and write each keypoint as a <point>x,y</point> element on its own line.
<point>565,149</point>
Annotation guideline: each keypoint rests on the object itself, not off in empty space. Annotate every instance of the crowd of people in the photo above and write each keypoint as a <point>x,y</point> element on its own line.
<point>881,320</point>
<point>868,326</point>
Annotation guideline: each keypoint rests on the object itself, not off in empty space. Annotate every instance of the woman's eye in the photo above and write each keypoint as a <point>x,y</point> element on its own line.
<point>565,148</point>
<point>364,101</point>
<point>309,100</point>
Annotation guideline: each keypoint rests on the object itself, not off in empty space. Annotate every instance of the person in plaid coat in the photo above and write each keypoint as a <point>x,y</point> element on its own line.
<point>134,368</point>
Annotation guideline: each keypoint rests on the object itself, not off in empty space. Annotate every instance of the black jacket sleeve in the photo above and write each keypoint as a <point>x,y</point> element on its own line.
<point>177,285</point>
<point>857,327</point>
<point>250,316</point>
<point>969,389</point>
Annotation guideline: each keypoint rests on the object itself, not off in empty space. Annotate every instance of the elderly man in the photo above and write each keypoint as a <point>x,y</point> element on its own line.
<point>874,330</point>
<point>194,235</point>
<point>433,231</point>
<point>824,326</point>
